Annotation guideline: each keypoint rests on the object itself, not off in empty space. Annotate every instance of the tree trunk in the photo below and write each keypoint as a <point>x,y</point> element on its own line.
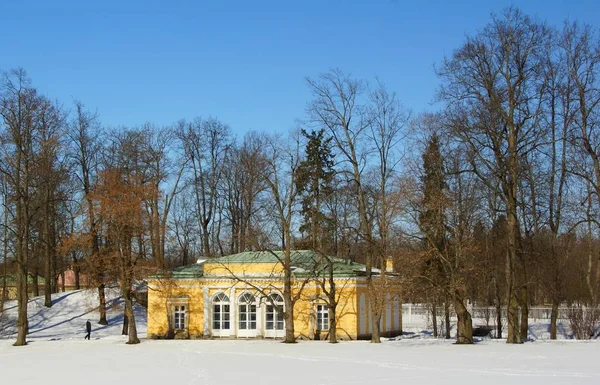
<point>62,284</point>
<point>376,336</point>
<point>48,276</point>
<point>77,272</point>
<point>23,225</point>
<point>125,328</point>
<point>332,326</point>
<point>434,317</point>
<point>513,319</point>
<point>524,313</point>
<point>205,239</point>
<point>553,318</point>
<point>447,317</point>
<point>288,314</point>
<point>3,293</point>
<point>512,311</point>
<point>464,324</point>
<point>102,298</point>
<point>22,326</point>
<point>35,285</point>
<point>332,303</point>
<point>5,254</point>
<point>498,318</point>
<point>132,329</point>
<point>184,255</point>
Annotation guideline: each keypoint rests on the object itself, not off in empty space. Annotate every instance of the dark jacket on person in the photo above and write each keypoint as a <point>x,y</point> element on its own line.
<point>88,326</point>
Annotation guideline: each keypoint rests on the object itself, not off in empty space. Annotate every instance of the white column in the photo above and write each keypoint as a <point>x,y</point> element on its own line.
<point>259,317</point>
<point>207,323</point>
<point>232,312</point>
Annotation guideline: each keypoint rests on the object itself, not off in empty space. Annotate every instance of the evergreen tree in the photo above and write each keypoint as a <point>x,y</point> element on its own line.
<point>315,176</point>
<point>433,202</point>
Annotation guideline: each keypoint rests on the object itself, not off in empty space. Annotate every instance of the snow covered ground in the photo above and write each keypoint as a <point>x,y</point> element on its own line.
<point>57,354</point>
<point>66,318</point>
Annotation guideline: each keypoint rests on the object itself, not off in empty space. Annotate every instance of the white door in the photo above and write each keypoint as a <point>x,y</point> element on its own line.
<point>246,316</point>
<point>274,324</point>
<point>221,322</point>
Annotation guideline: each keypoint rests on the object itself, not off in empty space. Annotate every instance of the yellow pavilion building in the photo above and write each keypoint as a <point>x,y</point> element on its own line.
<point>238,296</point>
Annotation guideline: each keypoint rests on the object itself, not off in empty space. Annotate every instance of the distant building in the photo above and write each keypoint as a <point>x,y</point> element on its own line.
<point>69,284</point>
<point>233,297</point>
<point>85,280</point>
<point>11,286</point>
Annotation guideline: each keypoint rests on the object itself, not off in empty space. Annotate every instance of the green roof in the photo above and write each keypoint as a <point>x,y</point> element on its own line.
<point>304,262</point>
<point>188,271</point>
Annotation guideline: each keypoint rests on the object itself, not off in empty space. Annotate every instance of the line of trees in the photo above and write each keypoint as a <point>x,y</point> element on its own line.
<point>492,200</point>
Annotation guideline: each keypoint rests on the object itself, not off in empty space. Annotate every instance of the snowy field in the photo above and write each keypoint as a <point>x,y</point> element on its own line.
<point>57,354</point>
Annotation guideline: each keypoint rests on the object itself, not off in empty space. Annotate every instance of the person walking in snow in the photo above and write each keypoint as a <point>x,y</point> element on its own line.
<point>88,328</point>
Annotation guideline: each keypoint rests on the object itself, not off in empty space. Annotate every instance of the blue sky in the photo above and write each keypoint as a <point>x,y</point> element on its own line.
<point>244,62</point>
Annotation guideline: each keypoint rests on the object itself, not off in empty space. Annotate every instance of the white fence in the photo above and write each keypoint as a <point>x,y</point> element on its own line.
<point>419,316</point>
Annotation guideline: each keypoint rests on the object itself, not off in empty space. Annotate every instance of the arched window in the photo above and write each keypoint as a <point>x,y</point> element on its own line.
<point>221,312</point>
<point>274,312</point>
<point>247,312</point>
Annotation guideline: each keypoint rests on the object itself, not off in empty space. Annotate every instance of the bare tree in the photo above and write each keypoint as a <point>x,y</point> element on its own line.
<point>336,107</point>
<point>184,225</point>
<point>492,86</point>
<point>281,176</point>
<point>50,173</point>
<point>162,171</point>
<point>580,48</point>
<point>20,108</point>
<point>206,143</point>
<point>388,126</point>
<point>119,197</point>
<point>243,188</point>
<point>559,106</point>
<point>84,133</point>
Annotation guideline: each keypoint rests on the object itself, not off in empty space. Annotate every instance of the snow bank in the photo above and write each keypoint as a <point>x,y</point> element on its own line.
<point>66,318</point>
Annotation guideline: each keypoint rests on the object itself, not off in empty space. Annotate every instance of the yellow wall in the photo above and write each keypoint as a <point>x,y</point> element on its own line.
<point>241,269</point>
<point>349,308</point>
<point>160,293</point>
<point>346,310</point>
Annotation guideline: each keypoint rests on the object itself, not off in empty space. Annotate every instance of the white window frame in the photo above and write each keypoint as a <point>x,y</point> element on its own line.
<point>222,302</point>
<point>180,317</point>
<point>277,317</point>
<point>247,307</point>
<point>175,305</point>
<point>322,316</point>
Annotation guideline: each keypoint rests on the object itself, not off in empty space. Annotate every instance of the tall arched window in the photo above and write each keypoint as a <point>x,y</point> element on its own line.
<point>221,320</point>
<point>247,312</point>
<point>273,316</point>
